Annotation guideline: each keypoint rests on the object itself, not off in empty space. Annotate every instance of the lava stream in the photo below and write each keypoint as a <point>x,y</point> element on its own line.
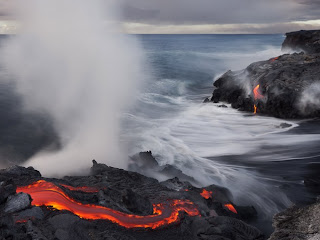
<point>256,93</point>
<point>48,194</point>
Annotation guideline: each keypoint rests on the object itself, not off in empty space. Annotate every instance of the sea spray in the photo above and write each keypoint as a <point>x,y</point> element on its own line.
<point>71,61</point>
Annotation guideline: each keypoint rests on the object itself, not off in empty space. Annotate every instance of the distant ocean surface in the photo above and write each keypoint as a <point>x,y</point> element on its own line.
<point>260,162</point>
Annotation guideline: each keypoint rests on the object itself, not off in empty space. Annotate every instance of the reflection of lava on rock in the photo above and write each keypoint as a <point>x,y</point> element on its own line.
<point>231,208</point>
<point>82,189</point>
<point>48,194</point>
<point>206,194</point>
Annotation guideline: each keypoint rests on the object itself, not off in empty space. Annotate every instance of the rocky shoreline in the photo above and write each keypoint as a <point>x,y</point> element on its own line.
<point>206,213</point>
<point>287,86</point>
<point>132,195</point>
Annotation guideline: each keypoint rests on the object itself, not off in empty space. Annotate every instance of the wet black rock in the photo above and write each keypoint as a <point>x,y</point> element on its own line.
<point>206,100</point>
<point>63,221</point>
<point>137,204</point>
<point>285,125</point>
<point>31,213</point>
<point>287,86</point>
<point>224,228</point>
<point>223,106</point>
<point>17,172</point>
<point>7,188</point>
<point>17,202</point>
<point>308,41</point>
<point>295,223</point>
<point>146,164</point>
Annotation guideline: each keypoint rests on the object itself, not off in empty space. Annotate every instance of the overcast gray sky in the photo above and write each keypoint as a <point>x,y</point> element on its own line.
<point>209,16</point>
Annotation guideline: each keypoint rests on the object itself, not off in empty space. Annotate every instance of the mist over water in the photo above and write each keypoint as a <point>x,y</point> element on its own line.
<point>70,62</point>
<point>216,145</point>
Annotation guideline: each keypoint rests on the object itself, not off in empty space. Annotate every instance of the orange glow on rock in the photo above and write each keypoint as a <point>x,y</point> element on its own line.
<point>50,195</point>
<point>274,59</point>
<point>82,189</point>
<point>231,208</point>
<point>256,93</point>
<point>206,194</point>
<point>22,221</point>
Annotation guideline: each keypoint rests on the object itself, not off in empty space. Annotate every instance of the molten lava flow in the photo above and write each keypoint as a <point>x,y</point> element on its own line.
<point>82,189</point>
<point>48,194</point>
<point>206,194</point>
<point>231,208</point>
<point>255,109</point>
<point>274,59</point>
<point>256,93</point>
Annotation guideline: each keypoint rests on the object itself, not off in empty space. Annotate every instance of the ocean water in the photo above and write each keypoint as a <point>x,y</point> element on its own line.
<point>261,163</point>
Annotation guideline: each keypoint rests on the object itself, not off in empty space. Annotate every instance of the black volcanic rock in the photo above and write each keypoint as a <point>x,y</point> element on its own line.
<point>146,164</point>
<point>298,223</point>
<point>284,82</point>
<point>123,191</point>
<point>7,188</point>
<point>289,84</point>
<point>307,41</point>
<point>17,202</point>
<point>224,228</point>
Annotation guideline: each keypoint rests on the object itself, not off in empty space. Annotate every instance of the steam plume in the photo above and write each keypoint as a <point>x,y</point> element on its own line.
<point>310,99</point>
<point>71,61</point>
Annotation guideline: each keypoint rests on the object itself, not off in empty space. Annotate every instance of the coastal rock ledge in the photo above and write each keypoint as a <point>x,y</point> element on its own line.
<point>298,223</point>
<point>286,86</point>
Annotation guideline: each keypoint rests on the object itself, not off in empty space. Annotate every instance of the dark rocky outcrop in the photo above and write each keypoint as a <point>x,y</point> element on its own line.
<point>288,86</point>
<point>125,191</point>
<point>298,223</point>
<point>307,41</point>
<point>17,202</point>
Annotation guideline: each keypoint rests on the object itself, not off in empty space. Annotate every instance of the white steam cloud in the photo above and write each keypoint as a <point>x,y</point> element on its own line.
<point>71,61</point>
<point>310,99</point>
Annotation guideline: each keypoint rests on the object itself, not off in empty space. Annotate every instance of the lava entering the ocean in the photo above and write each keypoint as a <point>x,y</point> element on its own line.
<point>50,195</point>
<point>257,95</point>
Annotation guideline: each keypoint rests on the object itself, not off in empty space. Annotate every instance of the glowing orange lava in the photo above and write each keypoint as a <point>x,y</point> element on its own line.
<point>231,208</point>
<point>256,93</point>
<point>206,194</point>
<point>49,194</point>
<point>274,59</point>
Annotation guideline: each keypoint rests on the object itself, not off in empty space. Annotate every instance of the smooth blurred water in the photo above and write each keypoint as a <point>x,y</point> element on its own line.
<point>249,154</point>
